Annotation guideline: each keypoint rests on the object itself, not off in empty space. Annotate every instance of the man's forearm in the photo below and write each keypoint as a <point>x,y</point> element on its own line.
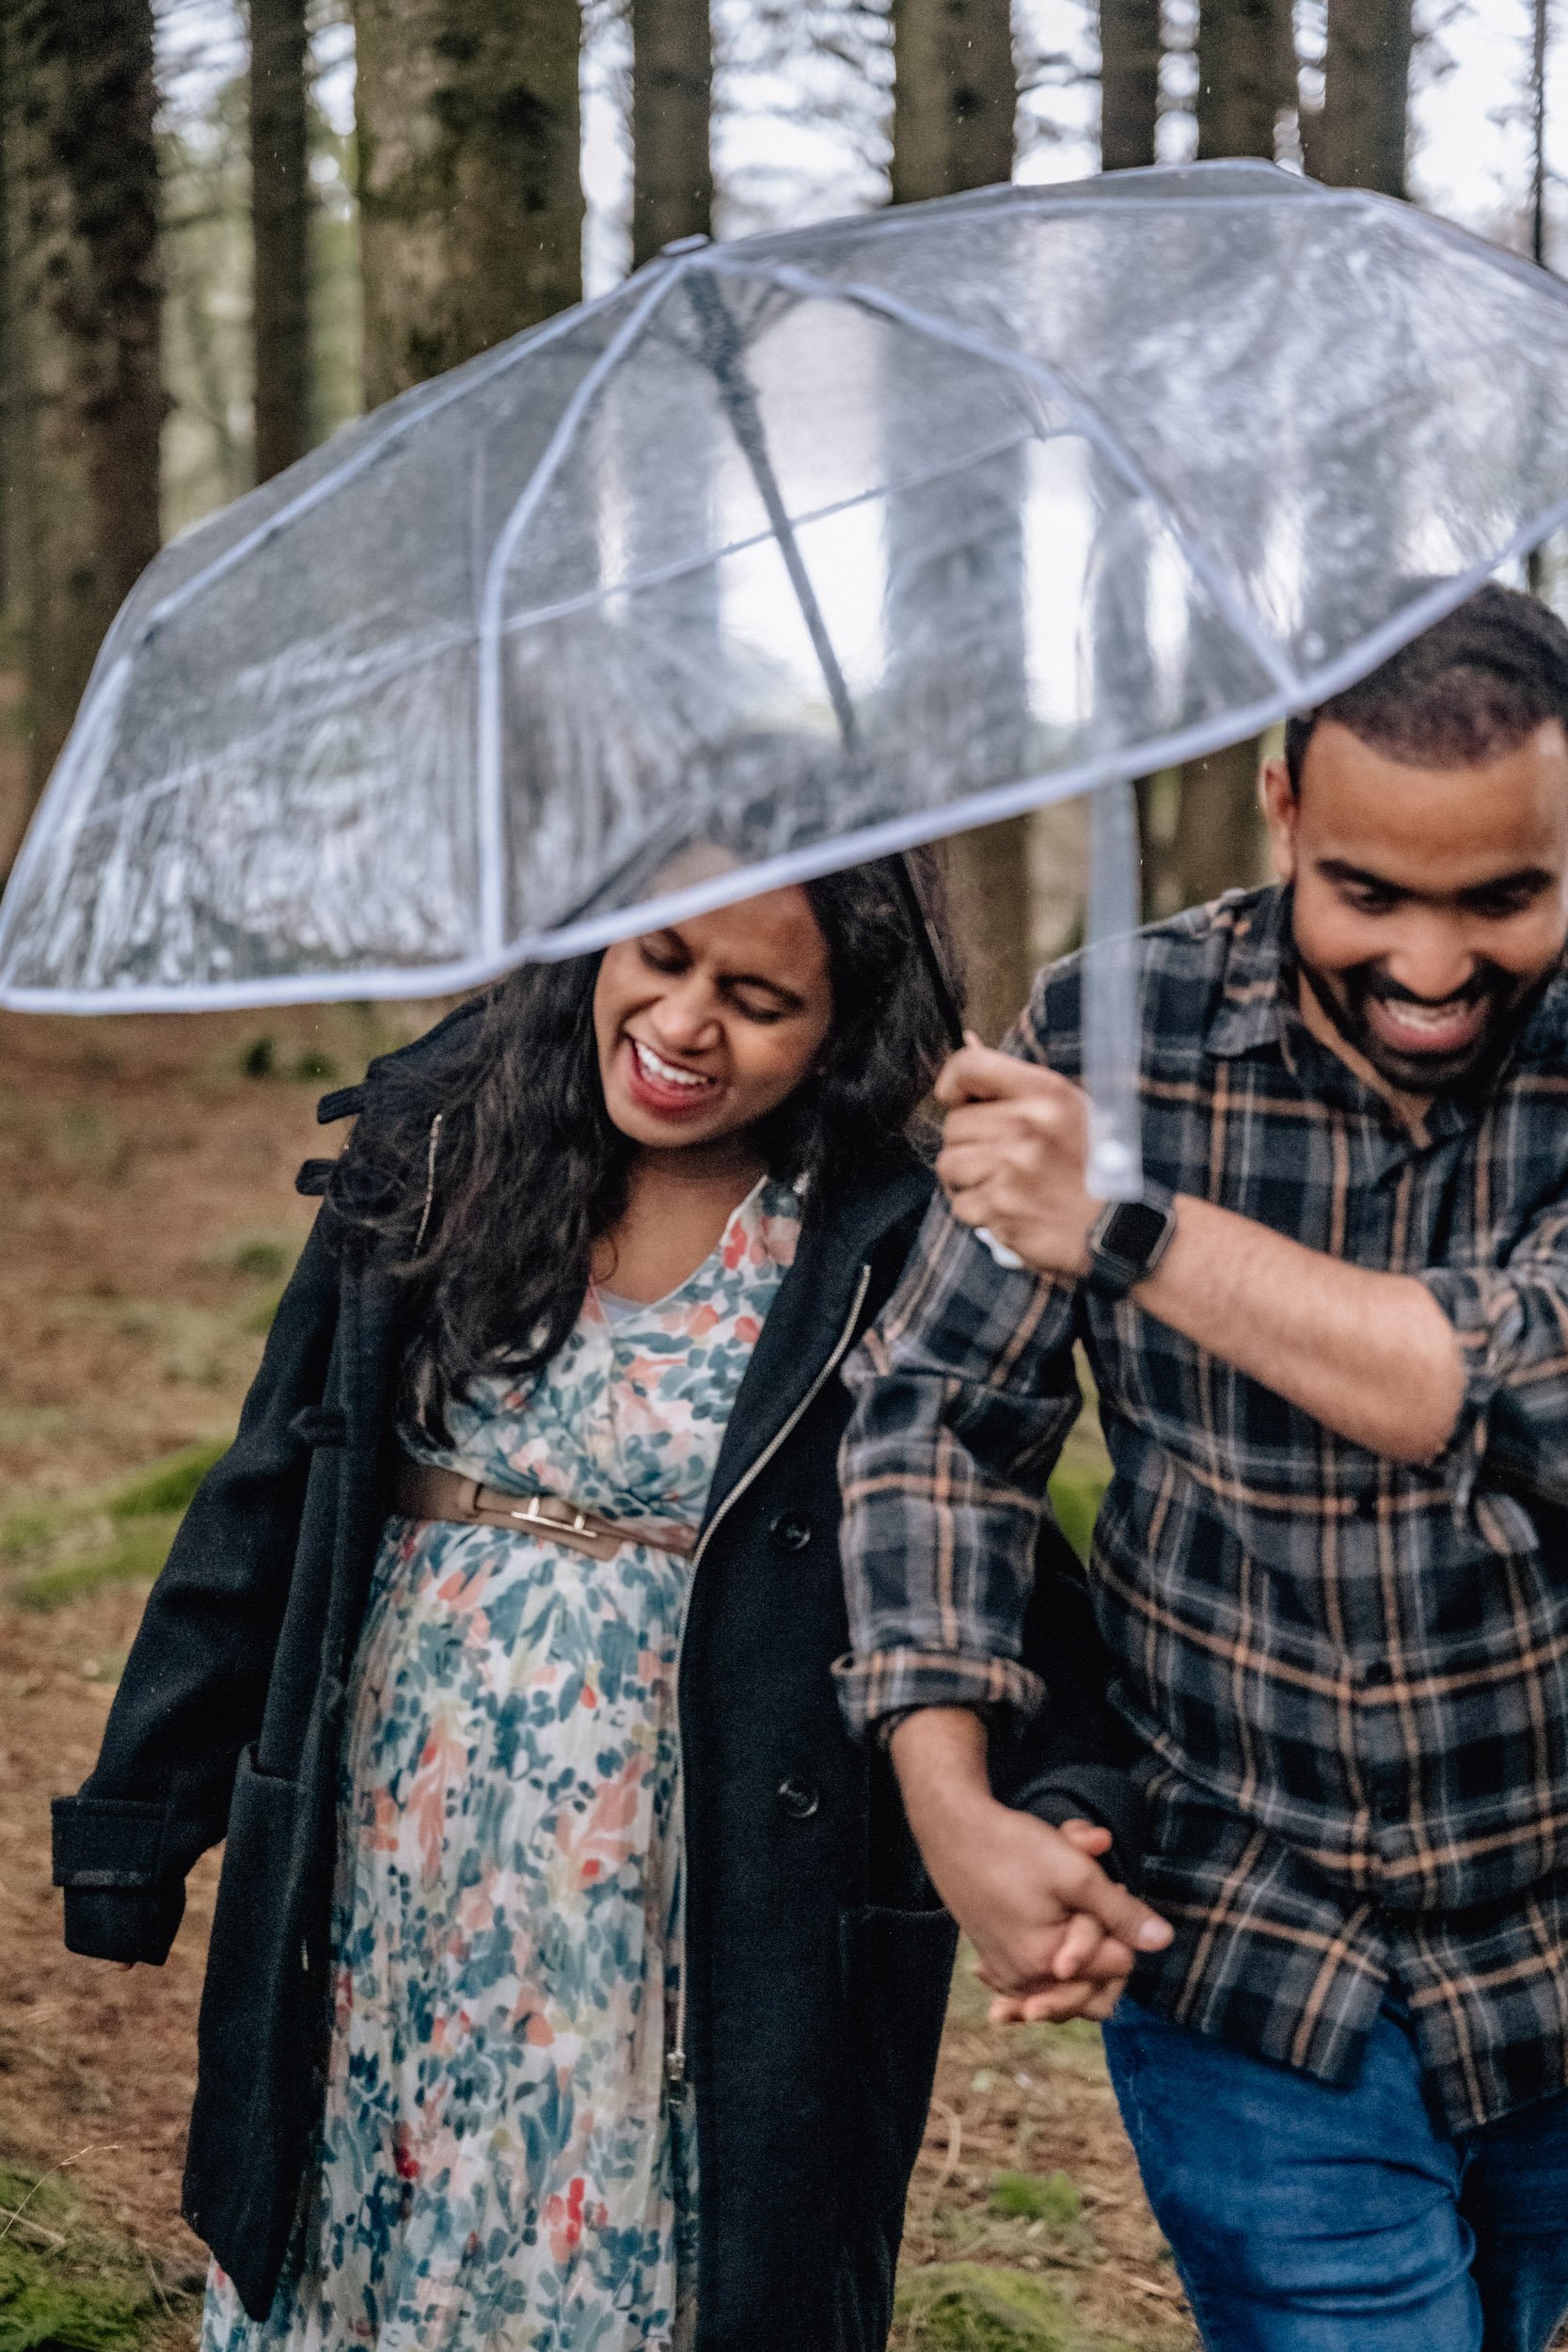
<point>1371,1356</point>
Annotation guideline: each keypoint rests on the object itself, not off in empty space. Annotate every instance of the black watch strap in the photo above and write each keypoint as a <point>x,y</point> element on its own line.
<point>1127,1241</point>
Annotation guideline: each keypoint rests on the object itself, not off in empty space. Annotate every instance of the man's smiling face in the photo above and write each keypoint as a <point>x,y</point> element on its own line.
<point>1430,904</point>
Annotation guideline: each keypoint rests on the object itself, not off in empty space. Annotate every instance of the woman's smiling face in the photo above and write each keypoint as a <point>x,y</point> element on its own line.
<point>705,1029</point>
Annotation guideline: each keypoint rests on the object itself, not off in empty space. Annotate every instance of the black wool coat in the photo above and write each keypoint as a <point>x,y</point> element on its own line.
<point>818,1956</point>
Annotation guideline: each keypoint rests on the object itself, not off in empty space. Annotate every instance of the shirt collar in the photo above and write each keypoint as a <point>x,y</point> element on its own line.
<point>1259,974</point>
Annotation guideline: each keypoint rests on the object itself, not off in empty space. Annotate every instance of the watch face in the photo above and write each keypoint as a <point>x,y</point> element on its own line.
<point>1133,1230</point>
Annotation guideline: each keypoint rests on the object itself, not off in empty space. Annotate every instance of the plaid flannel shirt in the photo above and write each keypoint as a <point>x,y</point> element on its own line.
<point>1348,1677</point>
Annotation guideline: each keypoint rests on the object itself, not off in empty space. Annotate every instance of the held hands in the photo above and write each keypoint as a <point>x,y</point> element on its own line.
<point>1056,1938</point>
<point>1091,1967</point>
<point>1015,1155</point>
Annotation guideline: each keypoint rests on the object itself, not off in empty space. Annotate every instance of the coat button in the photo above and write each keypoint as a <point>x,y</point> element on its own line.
<point>791,1533</point>
<point>799,1798</point>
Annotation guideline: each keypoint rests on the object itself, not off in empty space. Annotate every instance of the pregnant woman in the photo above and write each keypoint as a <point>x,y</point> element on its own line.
<point>574,1983</point>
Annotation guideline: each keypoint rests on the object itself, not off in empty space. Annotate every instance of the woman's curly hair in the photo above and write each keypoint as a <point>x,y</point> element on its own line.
<point>530,1170</point>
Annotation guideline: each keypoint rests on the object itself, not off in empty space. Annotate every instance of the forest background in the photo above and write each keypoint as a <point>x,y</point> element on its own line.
<point>223,231</point>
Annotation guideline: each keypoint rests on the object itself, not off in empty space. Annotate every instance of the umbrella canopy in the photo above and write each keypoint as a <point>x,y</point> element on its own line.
<point>788,553</point>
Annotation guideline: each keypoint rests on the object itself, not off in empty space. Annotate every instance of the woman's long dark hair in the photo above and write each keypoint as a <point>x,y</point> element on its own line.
<point>529,1170</point>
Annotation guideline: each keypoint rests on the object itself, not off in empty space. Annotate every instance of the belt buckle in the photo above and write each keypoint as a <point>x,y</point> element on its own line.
<point>570,1520</point>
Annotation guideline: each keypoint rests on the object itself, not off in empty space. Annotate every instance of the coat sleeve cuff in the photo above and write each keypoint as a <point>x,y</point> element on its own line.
<point>118,1903</point>
<point>108,1841</point>
<point>895,1682</point>
<point>136,1923</point>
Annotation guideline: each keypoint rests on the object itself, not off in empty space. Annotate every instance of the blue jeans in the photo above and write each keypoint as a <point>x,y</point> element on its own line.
<point>1305,2218</point>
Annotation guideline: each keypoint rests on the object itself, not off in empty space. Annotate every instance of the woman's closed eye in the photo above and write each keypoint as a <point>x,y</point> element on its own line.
<point>755,1001</point>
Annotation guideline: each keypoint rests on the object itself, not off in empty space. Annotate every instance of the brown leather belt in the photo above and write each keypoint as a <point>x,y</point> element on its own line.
<point>420,1490</point>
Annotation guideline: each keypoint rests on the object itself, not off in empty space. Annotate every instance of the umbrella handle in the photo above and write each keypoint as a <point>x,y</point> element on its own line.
<point>937,973</point>
<point>930,948</point>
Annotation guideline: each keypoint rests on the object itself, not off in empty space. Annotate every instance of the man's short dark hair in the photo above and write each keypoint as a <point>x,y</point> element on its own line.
<point>1471,689</point>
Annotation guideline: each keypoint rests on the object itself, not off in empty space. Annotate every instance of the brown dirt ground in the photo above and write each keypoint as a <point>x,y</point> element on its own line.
<point>140,1167</point>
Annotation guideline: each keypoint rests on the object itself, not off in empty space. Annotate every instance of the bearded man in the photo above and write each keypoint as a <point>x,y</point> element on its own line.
<point>1331,1350</point>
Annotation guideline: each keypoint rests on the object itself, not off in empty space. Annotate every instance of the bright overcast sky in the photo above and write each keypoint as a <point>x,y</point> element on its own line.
<point>1471,151</point>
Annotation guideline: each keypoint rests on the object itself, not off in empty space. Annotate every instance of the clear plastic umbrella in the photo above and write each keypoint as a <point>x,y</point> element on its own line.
<point>789,553</point>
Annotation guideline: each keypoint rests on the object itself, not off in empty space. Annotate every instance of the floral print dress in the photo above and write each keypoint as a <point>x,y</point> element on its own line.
<point>499,2167</point>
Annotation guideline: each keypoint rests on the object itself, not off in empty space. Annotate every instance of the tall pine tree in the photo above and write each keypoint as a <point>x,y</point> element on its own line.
<point>1362,137</point>
<point>280,232</point>
<point>954,107</point>
<point>1246,81</point>
<point>672,97</point>
<point>470,191</point>
<point>1130,47</point>
<point>90,302</point>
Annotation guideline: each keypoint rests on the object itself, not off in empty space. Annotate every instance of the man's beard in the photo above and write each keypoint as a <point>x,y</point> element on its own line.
<point>1345,997</point>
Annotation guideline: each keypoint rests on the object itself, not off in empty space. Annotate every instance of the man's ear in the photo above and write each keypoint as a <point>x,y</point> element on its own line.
<point>1277,799</point>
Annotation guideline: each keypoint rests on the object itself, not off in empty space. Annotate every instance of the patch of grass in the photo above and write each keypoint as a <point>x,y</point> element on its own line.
<point>33,1424</point>
<point>63,2288</point>
<point>133,1556</point>
<point>260,1257</point>
<point>167,1485</point>
<point>964,2307</point>
<point>314,1067</point>
<point>258,1318</point>
<point>1051,2197</point>
<point>118,1534</point>
<point>259,1059</point>
<point>87,1142</point>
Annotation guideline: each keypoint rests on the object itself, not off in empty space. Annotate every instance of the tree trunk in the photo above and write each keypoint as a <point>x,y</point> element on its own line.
<point>671,93</point>
<point>1540,31</point>
<point>1242,86</point>
<point>12,466</point>
<point>1363,137</point>
<point>955,96</point>
<point>89,301</point>
<point>955,102</point>
<point>470,192</point>
<point>280,232</point>
<point>1246,81</point>
<point>1130,43</point>
<point>1220,843</point>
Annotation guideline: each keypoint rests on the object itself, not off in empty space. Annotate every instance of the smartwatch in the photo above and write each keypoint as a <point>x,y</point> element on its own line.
<point>1127,1241</point>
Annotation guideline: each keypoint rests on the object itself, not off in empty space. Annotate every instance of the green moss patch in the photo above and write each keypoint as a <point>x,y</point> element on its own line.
<point>964,2307</point>
<point>1051,2197</point>
<point>63,2288</point>
<point>56,1551</point>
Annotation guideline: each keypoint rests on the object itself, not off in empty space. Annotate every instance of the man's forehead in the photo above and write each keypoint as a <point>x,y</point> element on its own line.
<point>1442,826</point>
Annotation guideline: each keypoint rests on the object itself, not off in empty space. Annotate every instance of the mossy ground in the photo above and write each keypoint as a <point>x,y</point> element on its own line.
<point>67,2286</point>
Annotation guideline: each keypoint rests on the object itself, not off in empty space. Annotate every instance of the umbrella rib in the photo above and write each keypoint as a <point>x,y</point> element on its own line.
<point>660,575</point>
<point>490,810</point>
<point>1092,426</point>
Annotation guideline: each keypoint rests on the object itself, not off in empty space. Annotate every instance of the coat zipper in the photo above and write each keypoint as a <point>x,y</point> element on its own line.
<point>675,2057</point>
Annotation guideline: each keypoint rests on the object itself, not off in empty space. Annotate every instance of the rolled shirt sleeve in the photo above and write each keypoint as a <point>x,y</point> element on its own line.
<point>1512,1326</point>
<point>963,1393</point>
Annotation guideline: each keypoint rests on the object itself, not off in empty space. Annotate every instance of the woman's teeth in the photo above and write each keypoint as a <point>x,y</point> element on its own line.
<point>654,1066</point>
